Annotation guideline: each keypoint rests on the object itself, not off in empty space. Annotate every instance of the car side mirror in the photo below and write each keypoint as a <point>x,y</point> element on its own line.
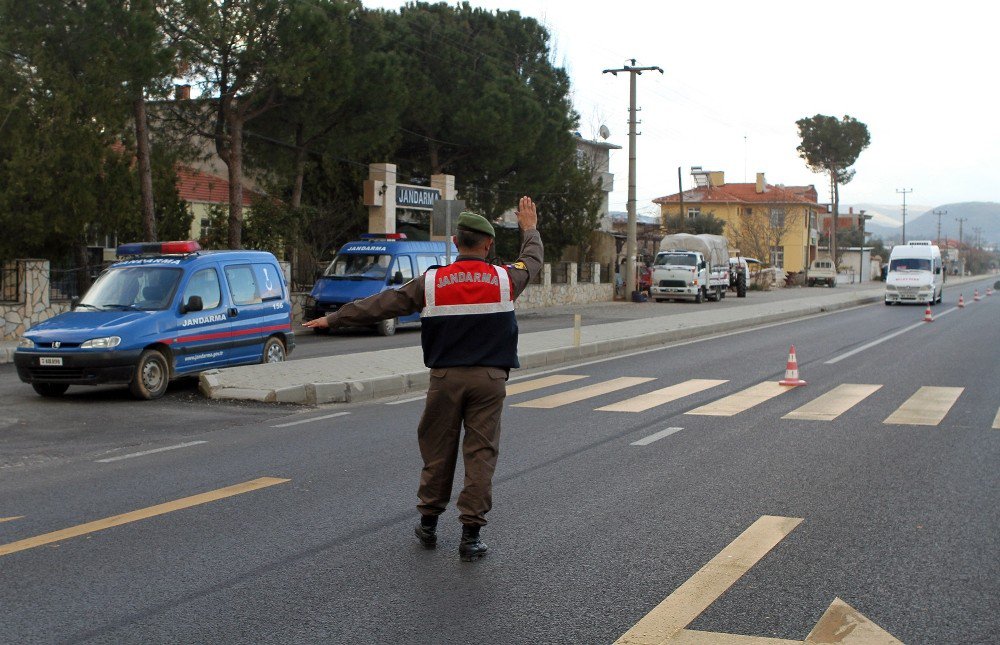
<point>397,278</point>
<point>194,303</point>
<point>74,302</point>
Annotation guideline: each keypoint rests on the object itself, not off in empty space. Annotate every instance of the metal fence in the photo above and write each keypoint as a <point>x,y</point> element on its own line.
<point>10,281</point>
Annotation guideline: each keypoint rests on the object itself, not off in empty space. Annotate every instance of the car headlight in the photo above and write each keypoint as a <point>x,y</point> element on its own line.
<point>25,343</point>
<point>101,343</point>
<point>890,287</point>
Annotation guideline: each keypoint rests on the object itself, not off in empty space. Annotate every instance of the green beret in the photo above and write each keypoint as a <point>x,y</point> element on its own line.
<point>472,222</point>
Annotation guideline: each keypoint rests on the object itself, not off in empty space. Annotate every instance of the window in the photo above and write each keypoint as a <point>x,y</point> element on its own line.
<point>425,262</point>
<point>367,266</point>
<point>205,285</point>
<point>269,280</point>
<point>778,257</point>
<point>694,212</point>
<point>242,284</point>
<point>404,266</point>
<point>777,218</point>
<point>812,219</point>
<point>748,211</point>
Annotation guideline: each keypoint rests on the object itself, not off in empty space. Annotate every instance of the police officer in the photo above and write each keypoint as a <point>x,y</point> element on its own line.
<point>469,339</point>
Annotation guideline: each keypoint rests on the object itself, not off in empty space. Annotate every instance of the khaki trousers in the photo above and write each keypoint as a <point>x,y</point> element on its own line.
<point>473,397</point>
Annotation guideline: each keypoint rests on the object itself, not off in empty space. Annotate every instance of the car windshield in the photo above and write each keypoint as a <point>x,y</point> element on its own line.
<point>910,264</point>
<point>143,287</point>
<point>359,266</point>
<point>676,259</point>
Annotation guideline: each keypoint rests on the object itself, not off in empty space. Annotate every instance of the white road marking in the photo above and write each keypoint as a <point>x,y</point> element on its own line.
<point>322,418</point>
<point>858,350</point>
<point>416,398</point>
<point>150,452</point>
<point>996,421</point>
<point>928,407</point>
<point>656,436</point>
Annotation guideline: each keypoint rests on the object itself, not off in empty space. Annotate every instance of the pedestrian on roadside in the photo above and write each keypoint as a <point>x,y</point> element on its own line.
<point>469,339</point>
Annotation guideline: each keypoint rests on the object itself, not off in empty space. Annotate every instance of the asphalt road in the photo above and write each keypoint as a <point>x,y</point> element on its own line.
<point>596,520</point>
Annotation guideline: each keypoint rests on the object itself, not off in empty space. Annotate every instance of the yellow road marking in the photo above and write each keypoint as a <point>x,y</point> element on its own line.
<point>141,514</point>
<point>748,398</point>
<point>10,519</point>
<point>834,403</point>
<point>539,383</point>
<point>845,625</point>
<point>699,591</point>
<point>644,402</point>
<point>996,421</point>
<point>597,389</point>
<point>927,407</point>
<point>693,637</point>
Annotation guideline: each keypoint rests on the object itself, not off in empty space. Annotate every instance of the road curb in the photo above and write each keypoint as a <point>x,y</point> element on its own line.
<point>348,391</point>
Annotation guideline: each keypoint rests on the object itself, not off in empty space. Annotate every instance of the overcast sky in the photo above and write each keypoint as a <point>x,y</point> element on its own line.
<point>921,75</point>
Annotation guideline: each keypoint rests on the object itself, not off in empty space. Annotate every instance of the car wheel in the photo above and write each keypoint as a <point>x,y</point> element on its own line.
<point>152,374</point>
<point>386,327</point>
<point>887,303</point>
<point>50,389</point>
<point>274,351</point>
<point>722,293</point>
<point>699,296</point>
<point>741,286</point>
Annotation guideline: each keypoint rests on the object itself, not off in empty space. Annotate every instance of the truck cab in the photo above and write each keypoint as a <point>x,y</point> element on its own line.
<point>679,274</point>
<point>371,265</point>
<point>915,274</point>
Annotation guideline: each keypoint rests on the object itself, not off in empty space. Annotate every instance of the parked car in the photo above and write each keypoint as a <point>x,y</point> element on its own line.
<point>821,271</point>
<point>168,310</point>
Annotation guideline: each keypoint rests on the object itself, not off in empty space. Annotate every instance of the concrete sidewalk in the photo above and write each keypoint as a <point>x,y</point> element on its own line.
<point>369,375</point>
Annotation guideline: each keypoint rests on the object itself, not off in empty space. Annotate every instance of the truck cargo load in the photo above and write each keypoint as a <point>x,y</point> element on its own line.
<point>714,247</point>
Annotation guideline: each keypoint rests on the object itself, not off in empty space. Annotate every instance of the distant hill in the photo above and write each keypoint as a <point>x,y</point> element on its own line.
<point>982,215</point>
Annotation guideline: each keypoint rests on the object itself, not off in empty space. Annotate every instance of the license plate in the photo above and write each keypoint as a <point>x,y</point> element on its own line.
<point>52,362</point>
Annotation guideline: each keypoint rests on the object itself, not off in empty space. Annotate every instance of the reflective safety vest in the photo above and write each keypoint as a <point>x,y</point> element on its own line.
<point>468,319</point>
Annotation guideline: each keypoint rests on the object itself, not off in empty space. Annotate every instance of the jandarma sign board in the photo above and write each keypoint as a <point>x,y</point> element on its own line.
<point>416,197</point>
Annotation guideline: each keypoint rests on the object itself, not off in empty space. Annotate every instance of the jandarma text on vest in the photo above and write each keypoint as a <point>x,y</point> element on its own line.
<point>468,276</point>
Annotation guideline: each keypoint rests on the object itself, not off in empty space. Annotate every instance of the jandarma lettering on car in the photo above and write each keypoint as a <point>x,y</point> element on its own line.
<point>468,276</point>
<point>202,320</point>
<point>147,261</point>
<point>367,249</point>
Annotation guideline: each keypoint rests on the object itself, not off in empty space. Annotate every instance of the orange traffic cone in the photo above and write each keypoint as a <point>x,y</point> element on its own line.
<point>792,370</point>
<point>961,301</point>
<point>975,296</point>
<point>927,315</point>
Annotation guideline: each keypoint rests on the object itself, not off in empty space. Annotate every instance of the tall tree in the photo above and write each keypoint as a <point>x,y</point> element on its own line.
<point>486,104</point>
<point>831,145</point>
<point>244,55</point>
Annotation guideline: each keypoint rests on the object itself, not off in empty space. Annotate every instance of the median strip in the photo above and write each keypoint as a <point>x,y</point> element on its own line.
<point>141,514</point>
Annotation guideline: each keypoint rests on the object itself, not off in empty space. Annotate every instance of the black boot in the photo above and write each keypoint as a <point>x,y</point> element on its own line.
<point>426,531</point>
<point>471,547</point>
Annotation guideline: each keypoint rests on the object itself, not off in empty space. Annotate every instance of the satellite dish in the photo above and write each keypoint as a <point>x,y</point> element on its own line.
<point>604,132</point>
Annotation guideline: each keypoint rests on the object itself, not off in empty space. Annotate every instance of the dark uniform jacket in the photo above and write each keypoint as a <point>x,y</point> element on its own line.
<point>470,317</point>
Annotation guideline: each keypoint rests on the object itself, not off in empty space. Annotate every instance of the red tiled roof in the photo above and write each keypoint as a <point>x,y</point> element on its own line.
<point>199,187</point>
<point>737,193</point>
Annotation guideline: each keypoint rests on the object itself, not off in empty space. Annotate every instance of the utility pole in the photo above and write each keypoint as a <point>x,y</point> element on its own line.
<point>939,214</point>
<point>633,71</point>
<point>904,192</point>
<point>961,262</point>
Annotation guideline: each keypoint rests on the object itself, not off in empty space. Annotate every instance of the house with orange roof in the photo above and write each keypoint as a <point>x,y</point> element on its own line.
<point>202,190</point>
<point>774,223</point>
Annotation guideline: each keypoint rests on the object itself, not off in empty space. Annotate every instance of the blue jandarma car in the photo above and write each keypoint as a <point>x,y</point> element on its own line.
<point>164,310</point>
<point>375,263</point>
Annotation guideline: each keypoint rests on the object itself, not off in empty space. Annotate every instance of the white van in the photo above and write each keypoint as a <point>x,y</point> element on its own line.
<point>915,274</point>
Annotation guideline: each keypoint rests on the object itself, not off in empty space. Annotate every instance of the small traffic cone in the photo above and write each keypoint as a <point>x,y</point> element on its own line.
<point>927,315</point>
<point>975,296</point>
<point>792,370</point>
<point>961,301</point>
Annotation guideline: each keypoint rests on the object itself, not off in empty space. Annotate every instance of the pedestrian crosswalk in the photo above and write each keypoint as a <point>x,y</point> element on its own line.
<point>928,406</point>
